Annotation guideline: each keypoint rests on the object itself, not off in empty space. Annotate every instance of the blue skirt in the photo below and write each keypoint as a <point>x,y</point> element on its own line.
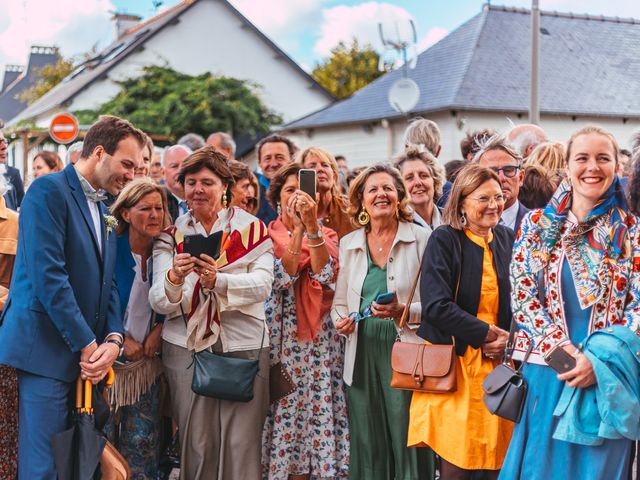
<point>533,453</point>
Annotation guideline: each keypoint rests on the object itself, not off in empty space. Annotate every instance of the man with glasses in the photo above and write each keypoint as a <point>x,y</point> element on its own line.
<point>498,155</point>
<point>13,197</point>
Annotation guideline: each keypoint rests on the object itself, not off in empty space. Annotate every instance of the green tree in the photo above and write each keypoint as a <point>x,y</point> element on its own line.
<point>50,76</point>
<point>166,102</point>
<point>348,69</point>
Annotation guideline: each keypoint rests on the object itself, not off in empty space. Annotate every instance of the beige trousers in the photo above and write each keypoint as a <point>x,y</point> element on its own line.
<point>222,439</point>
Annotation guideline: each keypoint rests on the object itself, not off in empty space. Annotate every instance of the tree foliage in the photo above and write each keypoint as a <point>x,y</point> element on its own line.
<point>348,69</point>
<point>50,76</point>
<point>166,102</point>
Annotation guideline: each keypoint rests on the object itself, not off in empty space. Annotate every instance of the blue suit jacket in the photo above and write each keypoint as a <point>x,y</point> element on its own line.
<point>63,294</point>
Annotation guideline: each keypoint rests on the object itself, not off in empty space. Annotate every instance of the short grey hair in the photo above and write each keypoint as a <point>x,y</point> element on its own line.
<point>75,147</point>
<point>521,137</point>
<point>497,142</point>
<point>192,140</point>
<point>422,132</point>
<point>226,141</point>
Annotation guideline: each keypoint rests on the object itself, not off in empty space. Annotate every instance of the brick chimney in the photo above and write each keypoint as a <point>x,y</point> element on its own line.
<point>122,22</point>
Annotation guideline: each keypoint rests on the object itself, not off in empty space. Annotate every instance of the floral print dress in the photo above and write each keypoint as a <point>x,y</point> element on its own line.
<point>306,432</point>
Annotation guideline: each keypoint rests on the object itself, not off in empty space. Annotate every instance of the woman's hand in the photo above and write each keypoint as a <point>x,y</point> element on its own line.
<point>153,343</point>
<point>392,310</point>
<point>495,347</point>
<point>307,209</point>
<point>582,375</point>
<point>292,213</point>
<point>208,270</point>
<point>345,325</point>
<point>183,265</point>
<point>132,350</point>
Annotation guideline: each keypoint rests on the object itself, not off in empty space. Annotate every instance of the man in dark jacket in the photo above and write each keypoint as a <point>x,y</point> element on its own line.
<point>273,151</point>
<point>14,196</point>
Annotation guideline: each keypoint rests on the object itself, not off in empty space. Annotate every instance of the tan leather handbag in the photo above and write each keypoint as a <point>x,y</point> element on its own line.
<point>422,367</point>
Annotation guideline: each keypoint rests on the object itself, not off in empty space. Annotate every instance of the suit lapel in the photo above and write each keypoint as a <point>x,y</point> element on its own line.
<point>78,195</point>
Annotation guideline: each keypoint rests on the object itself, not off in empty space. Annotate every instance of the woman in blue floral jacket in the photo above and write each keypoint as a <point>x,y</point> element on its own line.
<point>583,251</point>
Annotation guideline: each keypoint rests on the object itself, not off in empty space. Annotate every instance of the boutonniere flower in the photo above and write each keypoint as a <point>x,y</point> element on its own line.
<point>111,224</point>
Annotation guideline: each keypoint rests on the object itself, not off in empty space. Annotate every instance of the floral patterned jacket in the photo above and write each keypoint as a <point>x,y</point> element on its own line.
<point>612,287</point>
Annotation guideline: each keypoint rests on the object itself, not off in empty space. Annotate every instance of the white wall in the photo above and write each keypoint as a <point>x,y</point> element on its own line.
<point>209,38</point>
<point>361,147</point>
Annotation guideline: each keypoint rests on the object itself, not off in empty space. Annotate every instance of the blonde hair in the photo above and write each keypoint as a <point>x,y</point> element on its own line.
<point>548,155</point>
<point>323,155</point>
<point>422,132</point>
<point>435,169</point>
<point>468,180</point>
<point>588,131</point>
<point>129,197</point>
<point>356,192</point>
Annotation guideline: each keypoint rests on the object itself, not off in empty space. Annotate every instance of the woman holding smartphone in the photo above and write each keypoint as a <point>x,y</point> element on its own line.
<point>382,256</point>
<point>575,272</point>
<point>306,434</point>
<point>218,305</point>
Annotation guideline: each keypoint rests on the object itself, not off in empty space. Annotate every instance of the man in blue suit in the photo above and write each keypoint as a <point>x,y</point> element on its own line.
<point>62,317</point>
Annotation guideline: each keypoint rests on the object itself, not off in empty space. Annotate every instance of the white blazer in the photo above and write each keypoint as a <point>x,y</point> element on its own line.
<point>404,260</point>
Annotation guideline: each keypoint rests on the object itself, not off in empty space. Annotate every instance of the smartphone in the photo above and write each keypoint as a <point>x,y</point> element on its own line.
<point>559,360</point>
<point>385,298</point>
<point>307,182</point>
<point>196,245</point>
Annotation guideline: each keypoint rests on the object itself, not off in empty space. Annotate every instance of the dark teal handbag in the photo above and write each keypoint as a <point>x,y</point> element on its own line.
<point>218,375</point>
<point>227,378</point>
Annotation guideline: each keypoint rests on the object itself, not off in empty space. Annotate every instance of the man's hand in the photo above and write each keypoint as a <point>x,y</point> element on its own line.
<point>153,342</point>
<point>99,363</point>
<point>87,351</point>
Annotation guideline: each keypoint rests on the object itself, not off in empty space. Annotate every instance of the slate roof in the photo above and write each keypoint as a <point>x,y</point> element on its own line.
<point>588,66</point>
<point>98,67</point>
<point>16,81</point>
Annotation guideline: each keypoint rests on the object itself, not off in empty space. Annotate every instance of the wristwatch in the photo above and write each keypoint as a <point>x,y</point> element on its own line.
<point>119,344</point>
<point>314,236</point>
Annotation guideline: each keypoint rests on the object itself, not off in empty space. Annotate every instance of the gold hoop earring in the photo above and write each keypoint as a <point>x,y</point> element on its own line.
<point>224,199</point>
<point>363,218</point>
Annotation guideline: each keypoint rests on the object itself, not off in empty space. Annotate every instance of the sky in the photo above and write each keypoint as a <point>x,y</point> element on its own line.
<point>305,29</point>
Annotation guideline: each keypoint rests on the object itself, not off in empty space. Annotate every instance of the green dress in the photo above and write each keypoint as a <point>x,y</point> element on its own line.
<point>379,414</point>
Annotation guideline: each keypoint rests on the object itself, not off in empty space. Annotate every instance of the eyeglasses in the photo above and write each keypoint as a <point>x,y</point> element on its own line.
<point>509,171</point>
<point>486,200</point>
<point>4,140</point>
<point>356,316</point>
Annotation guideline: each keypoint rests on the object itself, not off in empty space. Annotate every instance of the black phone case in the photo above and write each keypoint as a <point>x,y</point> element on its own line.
<point>560,360</point>
<point>196,245</point>
<point>307,183</point>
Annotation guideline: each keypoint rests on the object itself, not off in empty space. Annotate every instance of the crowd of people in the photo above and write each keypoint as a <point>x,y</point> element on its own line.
<point>522,247</point>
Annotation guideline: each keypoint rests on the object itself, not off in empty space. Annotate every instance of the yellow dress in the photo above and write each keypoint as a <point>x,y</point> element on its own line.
<point>458,426</point>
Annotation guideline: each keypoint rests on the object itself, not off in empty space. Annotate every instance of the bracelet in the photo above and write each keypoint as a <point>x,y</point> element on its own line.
<point>292,252</point>
<point>170,282</point>
<point>317,244</point>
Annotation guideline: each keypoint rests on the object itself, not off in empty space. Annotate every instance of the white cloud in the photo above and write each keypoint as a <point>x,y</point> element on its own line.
<point>73,25</point>
<point>342,23</point>
<point>433,36</point>
<point>276,17</point>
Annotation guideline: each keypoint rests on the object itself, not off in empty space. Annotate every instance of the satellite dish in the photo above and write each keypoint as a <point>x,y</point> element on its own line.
<point>404,95</point>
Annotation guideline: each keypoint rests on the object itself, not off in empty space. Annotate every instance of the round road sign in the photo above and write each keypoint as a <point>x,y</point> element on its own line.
<point>64,128</point>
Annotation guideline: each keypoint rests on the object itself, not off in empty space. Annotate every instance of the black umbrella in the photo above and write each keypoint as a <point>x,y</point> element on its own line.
<point>77,451</point>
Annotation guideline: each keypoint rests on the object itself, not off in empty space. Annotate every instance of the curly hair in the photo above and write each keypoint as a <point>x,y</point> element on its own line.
<point>356,192</point>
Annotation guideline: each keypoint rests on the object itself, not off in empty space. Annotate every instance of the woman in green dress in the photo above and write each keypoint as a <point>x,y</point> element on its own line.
<point>381,256</point>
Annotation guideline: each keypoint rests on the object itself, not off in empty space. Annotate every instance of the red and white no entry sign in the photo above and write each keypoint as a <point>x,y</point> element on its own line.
<point>64,128</point>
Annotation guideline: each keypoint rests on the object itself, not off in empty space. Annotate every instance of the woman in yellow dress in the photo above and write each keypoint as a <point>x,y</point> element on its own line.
<point>465,293</point>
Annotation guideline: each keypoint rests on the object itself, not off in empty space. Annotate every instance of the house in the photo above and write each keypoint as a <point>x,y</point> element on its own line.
<point>17,79</point>
<point>193,37</point>
<point>479,76</point>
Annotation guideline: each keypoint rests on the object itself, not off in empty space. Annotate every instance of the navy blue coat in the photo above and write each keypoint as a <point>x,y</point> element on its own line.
<point>63,294</point>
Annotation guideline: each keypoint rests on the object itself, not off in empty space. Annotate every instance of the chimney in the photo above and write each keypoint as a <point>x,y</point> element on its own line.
<point>11,72</point>
<point>123,22</point>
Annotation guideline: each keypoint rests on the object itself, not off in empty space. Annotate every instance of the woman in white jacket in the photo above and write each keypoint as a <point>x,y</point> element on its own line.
<point>382,256</point>
<point>214,304</point>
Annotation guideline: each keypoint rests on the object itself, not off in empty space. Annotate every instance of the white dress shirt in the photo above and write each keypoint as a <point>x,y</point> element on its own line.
<point>509,215</point>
